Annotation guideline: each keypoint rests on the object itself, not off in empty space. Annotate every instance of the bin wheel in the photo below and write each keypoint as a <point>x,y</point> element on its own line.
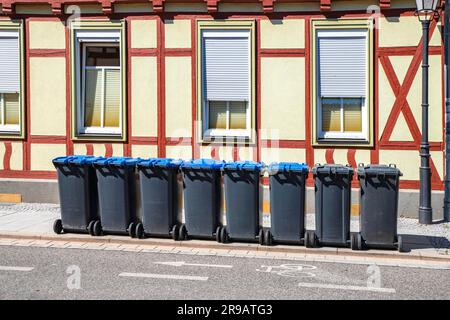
<point>132,230</point>
<point>90,227</point>
<point>261,237</point>
<point>224,235</point>
<point>174,232</point>
<point>218,234</point>
<point>400,245</point>
<point>97,228</point>
<point>57,226</point>
<point>140,231</point>
<point>310,239</point>
<point>183,233</point>
<point>356,242</point>
<point>268,237</point>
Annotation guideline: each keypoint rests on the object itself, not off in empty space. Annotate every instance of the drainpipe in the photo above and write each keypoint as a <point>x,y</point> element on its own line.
<point>447,109</point>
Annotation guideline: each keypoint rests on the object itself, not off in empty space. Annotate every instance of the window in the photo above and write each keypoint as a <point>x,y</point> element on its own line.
<point>10,81</point>
<point>342,82</point>
<point>225,57</point>
<point>99,83</point>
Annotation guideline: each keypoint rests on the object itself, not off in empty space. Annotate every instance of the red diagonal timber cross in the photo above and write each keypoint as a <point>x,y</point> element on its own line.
<point>401,103</point>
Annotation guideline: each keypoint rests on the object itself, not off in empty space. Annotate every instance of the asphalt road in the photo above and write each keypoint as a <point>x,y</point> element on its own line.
<point>50,273</point>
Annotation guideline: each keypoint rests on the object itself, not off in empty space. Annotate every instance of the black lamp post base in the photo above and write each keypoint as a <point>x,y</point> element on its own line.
<point>425,215</point>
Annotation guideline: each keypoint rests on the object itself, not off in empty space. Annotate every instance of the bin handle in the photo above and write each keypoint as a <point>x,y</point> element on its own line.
<point>392,165</point>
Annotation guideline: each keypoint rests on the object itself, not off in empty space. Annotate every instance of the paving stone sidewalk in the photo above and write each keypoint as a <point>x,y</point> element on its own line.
<point>25,221</point>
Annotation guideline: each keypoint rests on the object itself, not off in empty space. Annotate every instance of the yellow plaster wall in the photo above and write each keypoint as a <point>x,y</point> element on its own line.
<point>42,154</point>
<point>246,153</point>
<point>401,131</point>
<point>144,151</point>
<point>438,158</point>
<point>16,162</point>
<point>408,161</point>
<point>179,152</point>
<point>240,7</point>
<point>79,149</point>
<point>178,97</point>
<point>319,156</point>
<point>144,92</point>
<point>290,7</point>
<point>47,35</point>
<point>386,99</point>
<point>48,96</point>
<point>33,9</point>
<point>435,98</point>
<point>362,156</point>
<point>185,7</point>
<point>399,31</point>
<point>177,33</point>
<point>286,33</point>
<point>269,155</point>
<point>84,9</point>
<point>117,149</point>
<point>353,5</point>
<point>143,33</point>
<point>133,7</point>
<point>223,153</point>
<point>283,98</point>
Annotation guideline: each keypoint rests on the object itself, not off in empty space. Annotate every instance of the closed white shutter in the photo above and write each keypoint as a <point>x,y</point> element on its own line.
<point>9,62</point>
<point>226,72</point>
<point>342,63</point>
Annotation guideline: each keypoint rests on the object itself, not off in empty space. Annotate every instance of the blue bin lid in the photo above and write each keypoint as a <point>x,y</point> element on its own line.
<point>75,160</point>
<point>288,167</point>
<point>202,164</point>
<point>117,161</point>
<point>159,162</point>
<point>243,165</point>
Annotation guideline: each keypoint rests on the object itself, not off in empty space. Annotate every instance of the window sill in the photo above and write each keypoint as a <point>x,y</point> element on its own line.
<point>98,137</point>
<point>341,142</point>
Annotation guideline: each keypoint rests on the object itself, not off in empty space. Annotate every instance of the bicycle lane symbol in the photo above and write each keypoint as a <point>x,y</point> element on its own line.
<point>290,270</point>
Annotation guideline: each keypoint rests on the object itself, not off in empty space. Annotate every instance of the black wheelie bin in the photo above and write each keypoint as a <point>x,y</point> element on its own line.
<point>116,179</point>
<point>78,197</point>
<point>158,186</point>
<point>332,204</point>
<point>378,208</point>
<point>202,192</point>
<point>287,185</point>
<point>241,180</point>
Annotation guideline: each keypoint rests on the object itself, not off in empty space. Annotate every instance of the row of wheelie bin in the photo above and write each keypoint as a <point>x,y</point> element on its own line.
<point>98,196</point>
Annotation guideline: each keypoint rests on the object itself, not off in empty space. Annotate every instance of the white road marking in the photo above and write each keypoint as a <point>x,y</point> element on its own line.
<point>162,276</point>
<point>344,287</point>
<point>182,263</point>
<point>11,268</point>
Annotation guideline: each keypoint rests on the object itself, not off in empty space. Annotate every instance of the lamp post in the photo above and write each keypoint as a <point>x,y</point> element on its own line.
<point>426,10</point>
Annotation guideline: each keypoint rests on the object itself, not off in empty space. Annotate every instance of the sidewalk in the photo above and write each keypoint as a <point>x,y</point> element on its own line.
<point>31,224</point>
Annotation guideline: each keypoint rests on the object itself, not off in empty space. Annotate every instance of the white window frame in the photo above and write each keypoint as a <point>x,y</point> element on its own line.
<point>219,133</point>
<point>8,128</point>
<point>335,135</point>
<point>84,39</point>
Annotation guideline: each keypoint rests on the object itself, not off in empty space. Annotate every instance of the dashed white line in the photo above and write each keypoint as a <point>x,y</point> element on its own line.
<point>344,287</point>
<point>162,276</point>
<point>11,268</point>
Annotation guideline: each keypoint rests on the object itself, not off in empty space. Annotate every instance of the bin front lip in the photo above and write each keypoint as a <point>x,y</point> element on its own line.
<point>166,163</point>
<point>116,162</point>
<point>75,160</point>
<point>283,167</point>
<point>243,166</point>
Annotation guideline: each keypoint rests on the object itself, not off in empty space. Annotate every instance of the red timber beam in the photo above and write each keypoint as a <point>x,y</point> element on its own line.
<point>158,5</point>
